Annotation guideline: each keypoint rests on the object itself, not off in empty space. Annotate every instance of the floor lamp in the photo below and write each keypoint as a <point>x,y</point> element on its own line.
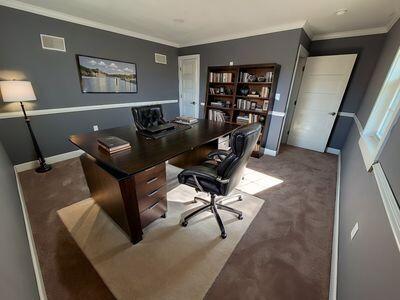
<point>21,91</point>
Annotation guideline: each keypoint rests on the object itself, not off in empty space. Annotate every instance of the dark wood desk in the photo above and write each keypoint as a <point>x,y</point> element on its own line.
<point>131,185</point>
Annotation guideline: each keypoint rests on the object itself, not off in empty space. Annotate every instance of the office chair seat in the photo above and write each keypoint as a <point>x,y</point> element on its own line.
<point>220,177</point>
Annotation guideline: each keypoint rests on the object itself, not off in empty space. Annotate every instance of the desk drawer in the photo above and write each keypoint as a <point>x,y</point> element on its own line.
<point>154,212</point>
<point>151,197</point>
<point>150,173</point>
<point>150,185</point>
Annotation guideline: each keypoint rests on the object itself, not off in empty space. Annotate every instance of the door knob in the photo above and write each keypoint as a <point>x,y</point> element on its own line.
<point>194,102</point>
<point>332,113</point>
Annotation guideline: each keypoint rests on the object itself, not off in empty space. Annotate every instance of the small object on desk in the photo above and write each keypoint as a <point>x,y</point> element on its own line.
<point>113,144</point>
<point>186,120</point>
<point>159,128</point>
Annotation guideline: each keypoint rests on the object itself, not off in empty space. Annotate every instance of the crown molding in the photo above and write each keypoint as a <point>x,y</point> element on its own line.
<point>227,37</point>
<point>393,21</point>
<point>82,21</point>
<point>351,33</point>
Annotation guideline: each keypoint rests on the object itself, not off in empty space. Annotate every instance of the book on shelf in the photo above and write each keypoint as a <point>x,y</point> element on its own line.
<point>243,104</point>
<point>264,92</point>
<point>223,77</point>
<point>113,144</point>
<point>247,119</point>
<point>216,115</point>
<point>269,76</point>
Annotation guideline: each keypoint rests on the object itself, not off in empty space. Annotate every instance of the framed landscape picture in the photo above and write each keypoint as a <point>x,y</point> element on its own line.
<point>99,75</point>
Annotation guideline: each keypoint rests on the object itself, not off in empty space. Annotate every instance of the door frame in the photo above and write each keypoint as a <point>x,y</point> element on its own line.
<point>197,81</point>
<point>301,52</point>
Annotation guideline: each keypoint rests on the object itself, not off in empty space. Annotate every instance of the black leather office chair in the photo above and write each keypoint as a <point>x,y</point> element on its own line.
<point>220,179</point>
<point>148,116</point>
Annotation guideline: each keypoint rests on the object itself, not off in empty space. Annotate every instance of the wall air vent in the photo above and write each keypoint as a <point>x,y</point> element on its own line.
<point>50,42</point>
<point>160,58</point>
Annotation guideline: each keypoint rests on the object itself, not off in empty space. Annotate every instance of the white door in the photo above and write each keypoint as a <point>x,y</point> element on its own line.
<point>189,80</point>
<point>324,82</point>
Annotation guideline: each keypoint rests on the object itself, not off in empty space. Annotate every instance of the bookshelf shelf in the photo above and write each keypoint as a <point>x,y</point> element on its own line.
<point>255,83</point>
<point>234,77</point>
<point>252,111</point>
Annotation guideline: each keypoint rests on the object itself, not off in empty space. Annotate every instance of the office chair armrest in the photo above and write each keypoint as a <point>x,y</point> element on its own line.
<point>201,172</point>
<point>218,154</point>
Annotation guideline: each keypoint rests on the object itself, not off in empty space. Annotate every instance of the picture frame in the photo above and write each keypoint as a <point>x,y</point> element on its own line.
<point>265,105</point>
<point>109,76</point>
<point>253,105</point>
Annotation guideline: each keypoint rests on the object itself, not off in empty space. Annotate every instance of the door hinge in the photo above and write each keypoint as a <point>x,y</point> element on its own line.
<point>295,102</point>
<point>303,68</point>
<point>288,131</point>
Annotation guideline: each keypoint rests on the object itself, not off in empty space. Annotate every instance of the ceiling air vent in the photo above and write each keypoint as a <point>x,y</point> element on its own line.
<point>160,58</point>
<point>50,42</point>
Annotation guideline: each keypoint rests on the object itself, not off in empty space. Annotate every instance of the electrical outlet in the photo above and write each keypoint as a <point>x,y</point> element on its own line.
<point>354,231</point>
<point>277,97</point>
<point>231,63</point>
<point>95,128</point>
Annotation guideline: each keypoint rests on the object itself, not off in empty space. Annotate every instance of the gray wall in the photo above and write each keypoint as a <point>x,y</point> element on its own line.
<point>279,47</point>
<point>369,266</point>
<point>17,278</point>
<point>368,49</point>
<point>54,77</point>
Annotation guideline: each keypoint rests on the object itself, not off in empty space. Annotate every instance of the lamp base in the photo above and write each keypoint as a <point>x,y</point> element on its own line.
<point>43,168</point>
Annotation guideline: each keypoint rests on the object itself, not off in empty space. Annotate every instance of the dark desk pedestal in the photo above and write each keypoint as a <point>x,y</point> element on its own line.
<point>132,202</point>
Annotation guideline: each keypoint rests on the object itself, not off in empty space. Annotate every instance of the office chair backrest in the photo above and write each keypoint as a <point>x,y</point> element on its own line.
<point>242,143</point>
<point>147,116</point>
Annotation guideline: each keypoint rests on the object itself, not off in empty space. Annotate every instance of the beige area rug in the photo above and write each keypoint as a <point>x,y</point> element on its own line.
<point>171,262</point>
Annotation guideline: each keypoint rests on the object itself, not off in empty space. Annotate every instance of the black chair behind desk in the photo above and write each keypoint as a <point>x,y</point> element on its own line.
<point>220,179</point>
<point>150,122</point>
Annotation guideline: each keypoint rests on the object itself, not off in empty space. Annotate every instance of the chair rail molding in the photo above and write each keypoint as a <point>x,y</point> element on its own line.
<point>389,201</point>
<point>50,111</point>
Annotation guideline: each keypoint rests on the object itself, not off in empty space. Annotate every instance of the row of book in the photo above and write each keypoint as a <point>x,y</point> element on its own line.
<point>247,119</point>
<point>243,104</point>
<point>220,91</point>
<point>264,92</point>
<point>216,115</point>
<point>221,103</point>
<point>220,77</point>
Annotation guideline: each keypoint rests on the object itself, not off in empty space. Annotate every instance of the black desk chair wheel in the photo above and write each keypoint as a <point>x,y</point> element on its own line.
<point>221,178</point>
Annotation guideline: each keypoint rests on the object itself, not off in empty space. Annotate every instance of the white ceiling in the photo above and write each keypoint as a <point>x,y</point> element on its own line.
<point>189,22</point>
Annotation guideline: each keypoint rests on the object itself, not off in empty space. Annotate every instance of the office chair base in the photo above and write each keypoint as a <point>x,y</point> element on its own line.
<point>213,206</point>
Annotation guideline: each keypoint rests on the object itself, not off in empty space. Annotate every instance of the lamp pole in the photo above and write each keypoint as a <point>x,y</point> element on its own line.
<point>43,166</point>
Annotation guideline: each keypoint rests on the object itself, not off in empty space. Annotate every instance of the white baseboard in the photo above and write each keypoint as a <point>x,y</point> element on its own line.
<point>332,150</point>
<point>51,160</point>
<point>269,152</point>
<point>31,242</point>
<point>335,240</point>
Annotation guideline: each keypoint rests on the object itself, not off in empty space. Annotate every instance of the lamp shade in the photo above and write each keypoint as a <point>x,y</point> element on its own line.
<point>13,91</point>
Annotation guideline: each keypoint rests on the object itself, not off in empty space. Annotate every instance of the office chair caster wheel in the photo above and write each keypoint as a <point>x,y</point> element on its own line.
<point>240,217</point>
<point>223,235</point>
<point>164,216</point>
<point>240,198</point>
<point>184,223</point>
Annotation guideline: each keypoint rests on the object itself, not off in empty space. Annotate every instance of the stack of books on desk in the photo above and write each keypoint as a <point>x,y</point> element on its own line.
<point>186,120</point>
<point>113,144</point>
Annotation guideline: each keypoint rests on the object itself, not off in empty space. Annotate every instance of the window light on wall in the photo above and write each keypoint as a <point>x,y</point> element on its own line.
<point>383,116</point>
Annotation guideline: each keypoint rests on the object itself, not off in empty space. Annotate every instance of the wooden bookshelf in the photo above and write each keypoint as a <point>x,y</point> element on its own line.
<point>232,86</point>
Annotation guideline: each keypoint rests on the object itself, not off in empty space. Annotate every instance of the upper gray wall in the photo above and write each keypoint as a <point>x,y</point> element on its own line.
<point>279,47</point>
<point>54,76</point>
<point>368,49</point>
<point>369,265</point>
<point>17,278</point>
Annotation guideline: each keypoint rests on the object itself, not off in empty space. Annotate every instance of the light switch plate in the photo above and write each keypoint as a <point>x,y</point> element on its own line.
<point>231,63</point>
<point>95,128</point>
<point>277,97</point>
<point>354,231</point>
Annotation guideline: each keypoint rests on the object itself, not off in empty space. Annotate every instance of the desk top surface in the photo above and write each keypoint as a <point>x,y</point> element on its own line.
<point>146,153</point>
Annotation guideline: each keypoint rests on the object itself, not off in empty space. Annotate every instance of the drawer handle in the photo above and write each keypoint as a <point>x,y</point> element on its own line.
<point>153,193</point>
<point>149,169</point>
<point>153,205</point>
<point>152,180</point>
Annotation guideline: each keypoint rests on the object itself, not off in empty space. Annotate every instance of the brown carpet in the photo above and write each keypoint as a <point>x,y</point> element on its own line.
<point>285,253</point>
